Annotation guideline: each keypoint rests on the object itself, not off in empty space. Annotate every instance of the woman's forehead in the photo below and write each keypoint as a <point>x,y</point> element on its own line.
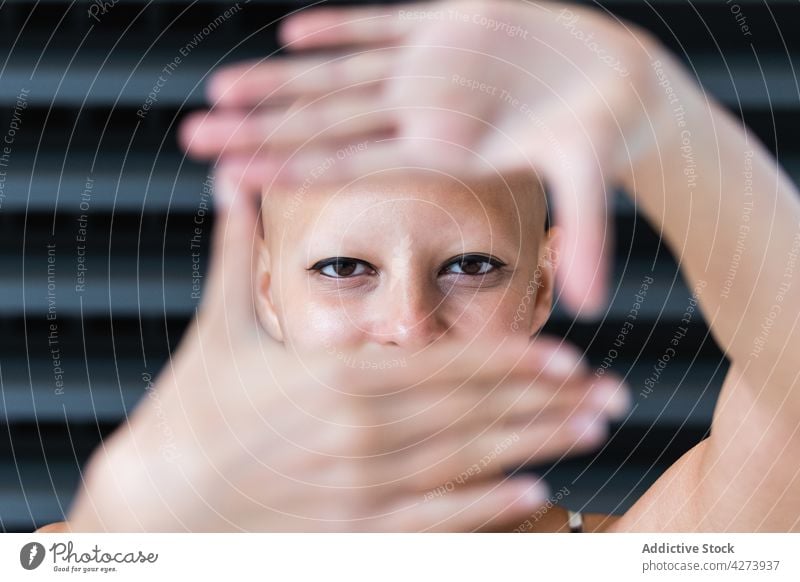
<point>516,199</point>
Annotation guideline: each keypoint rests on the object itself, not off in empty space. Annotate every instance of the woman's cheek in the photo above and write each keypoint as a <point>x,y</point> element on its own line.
<point>497,315</point>
<point>315,325</point>
<point>481,314</point>
<point>518,314</point>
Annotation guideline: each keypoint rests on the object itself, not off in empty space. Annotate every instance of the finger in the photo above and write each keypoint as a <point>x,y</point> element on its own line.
<point>559,357</point>
<point>250,172</point>
<point>407,420</point>
<point>450,509</point>
<point>252,83</point>
<point>207,135</point>
<point>556,376</point>
<point>582,210</point>
<point>461,457</point>
<point>442,367</point>
<point>482,365</point>
<point>551,438</point>
<point>337,162</point>
<point>388,423</point>
<point>470,374</point>
<point>333,27</point>
<point>229,294</point>
<point>357,156</point>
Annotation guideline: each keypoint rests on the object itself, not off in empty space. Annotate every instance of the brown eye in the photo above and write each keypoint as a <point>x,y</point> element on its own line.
<point>340,268</point>
<point>472,265</point>
<point>344,269</point>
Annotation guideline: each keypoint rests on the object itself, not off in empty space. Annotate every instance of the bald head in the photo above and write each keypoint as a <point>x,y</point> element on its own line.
<point>519,196</point>
<point>403,257</point>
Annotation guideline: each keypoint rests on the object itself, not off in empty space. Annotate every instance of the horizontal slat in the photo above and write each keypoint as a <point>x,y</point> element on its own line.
<point>126,84</point>
<point>131,290</point>
<point>608,3</point>
<point>83,84</point>
<point>227,2</point>
<point>84,184</point>
<point>87,390</point>
<point>36,507</point>
<point>34,491</point>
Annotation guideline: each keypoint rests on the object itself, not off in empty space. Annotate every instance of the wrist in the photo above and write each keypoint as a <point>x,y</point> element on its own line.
<point>669,107</point>
<point>112,488</point>
<point>678,141</point>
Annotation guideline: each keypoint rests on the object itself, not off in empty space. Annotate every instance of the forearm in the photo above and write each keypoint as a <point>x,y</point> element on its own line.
<point>732,219</point>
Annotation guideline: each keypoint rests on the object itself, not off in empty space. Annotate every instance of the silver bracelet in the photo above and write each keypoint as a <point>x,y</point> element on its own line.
<point>575,519</point>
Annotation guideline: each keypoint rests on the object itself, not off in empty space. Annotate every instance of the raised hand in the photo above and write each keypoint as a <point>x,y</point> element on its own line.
<point>239,434</point>
<point>459,85</point>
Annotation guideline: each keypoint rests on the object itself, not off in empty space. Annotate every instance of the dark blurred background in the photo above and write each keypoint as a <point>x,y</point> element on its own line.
<point>97,209</point>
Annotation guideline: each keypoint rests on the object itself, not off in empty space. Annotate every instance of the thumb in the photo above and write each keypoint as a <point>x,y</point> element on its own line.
<point>229,295</point>
<point>583,213</point>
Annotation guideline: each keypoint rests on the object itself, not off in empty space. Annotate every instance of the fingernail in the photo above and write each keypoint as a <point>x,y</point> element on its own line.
<point>621,404</point>
<point>535,494</point>
<point>224,191</point>
<point>613,398</point>
<point>291,30</point>
<point>581,421</point>
<point>214,88</point>
<point>588,427</point>
<point>601,395</point>
<point>562,363</point>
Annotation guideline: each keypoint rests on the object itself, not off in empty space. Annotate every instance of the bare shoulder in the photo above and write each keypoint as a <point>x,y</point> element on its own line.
<point>737,479</point>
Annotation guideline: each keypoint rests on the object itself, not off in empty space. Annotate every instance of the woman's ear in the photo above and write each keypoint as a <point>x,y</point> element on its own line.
<point>264,303</point>
<point>544,278</point>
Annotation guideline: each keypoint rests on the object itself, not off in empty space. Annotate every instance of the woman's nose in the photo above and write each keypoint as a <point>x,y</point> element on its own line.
<point>411,316</point>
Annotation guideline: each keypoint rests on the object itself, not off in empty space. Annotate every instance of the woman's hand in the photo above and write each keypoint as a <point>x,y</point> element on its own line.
<point>456,85</point>
<point>238,434</point>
